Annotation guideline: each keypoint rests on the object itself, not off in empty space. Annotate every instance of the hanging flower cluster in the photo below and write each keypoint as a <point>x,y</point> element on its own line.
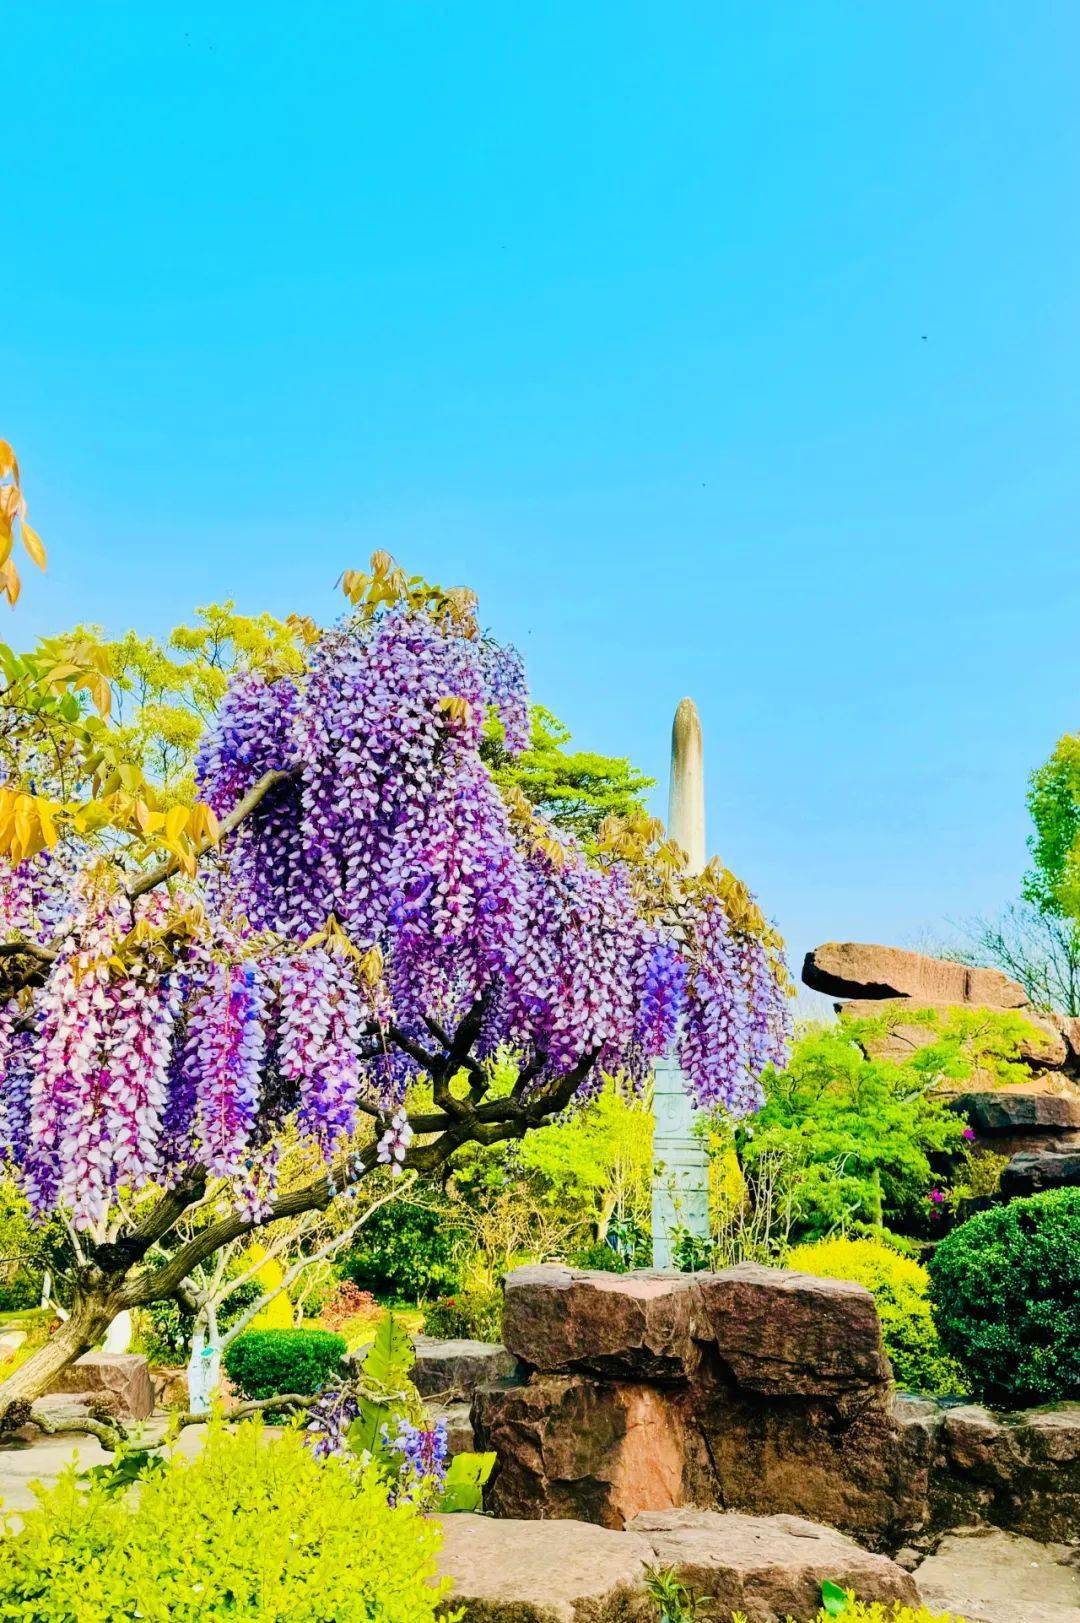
<point>375,895</point>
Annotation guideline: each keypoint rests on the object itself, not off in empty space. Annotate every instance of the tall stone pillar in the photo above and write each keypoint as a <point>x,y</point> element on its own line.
<point>680,1191</point>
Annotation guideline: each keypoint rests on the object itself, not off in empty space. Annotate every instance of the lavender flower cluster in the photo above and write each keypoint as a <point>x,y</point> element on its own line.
<point>390,825</point>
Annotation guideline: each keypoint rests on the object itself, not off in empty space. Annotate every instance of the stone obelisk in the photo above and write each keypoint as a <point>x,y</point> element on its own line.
<point>680,1191</point>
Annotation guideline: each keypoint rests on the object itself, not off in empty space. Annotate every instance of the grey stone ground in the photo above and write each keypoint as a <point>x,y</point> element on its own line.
<point>984,1576</point>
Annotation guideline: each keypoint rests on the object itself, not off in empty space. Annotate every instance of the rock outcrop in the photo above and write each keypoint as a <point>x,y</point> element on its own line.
<point>124,1378</point>
<point>758,1390</point>
<point>861,969</point>
<point>1038,1111</point>
<point>451,1370</point>
<point>768,1568</point>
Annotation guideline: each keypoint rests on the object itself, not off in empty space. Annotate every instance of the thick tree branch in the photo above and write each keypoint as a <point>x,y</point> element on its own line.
<point>243,808</point>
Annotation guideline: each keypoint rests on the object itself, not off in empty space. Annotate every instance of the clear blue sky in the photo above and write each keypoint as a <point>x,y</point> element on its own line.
<point>726,348</point>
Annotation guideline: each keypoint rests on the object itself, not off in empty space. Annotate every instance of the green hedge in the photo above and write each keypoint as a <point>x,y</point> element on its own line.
<point>262,1363</point>
<point>471,1315</point>
<point>1006,1295</point>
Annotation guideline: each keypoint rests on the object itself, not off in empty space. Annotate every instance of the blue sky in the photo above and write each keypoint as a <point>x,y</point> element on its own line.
<point>726,349</point>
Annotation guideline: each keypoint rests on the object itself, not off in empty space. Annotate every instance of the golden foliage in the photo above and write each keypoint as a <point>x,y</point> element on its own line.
<point>14,523</point>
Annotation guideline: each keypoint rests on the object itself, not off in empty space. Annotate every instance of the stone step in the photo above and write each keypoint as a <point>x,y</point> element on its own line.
<point>770,1568</point>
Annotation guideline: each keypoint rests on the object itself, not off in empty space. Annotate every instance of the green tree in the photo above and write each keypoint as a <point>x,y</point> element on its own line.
<point>575,788</point>
<point>1053,882</point>
<point>857,1135</point>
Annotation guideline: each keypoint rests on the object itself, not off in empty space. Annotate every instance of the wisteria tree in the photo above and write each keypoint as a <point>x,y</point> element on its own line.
<point>343,933</point>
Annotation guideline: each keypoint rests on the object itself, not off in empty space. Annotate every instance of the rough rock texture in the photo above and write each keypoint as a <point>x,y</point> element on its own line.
<point>569,1572</point>
<point>125,1375</point>
<point>1044,1046</point>
<point>767,1567</point>
<point>789,1334</point>
<point>1019,1471</point>
<point>1049,1103</point>
<point>452,1370</point>
<point>1034,1170</point>
<point>599,1451</point>
<point>636,1326</point>
<point>993,1577</point>
<point>458,1422</point>
<point>784,1405</point>
<point>867,1473</point>
<point>863,970</point>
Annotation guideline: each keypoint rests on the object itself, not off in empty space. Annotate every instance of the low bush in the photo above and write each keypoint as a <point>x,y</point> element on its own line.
<point>346,1306</point>
<point>262,1363</point>
<point>1006,1292</point>
<point>471,1315</point>
<point>900,1288</point>
<point>249,1529</point>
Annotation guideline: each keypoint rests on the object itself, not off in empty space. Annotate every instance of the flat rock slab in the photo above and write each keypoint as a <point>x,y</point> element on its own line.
<point>992,1577</point>
<point>453,1369</point>
<point>637,1326</point>
<point>767,1566</point>
<point>544,1572</point>
<point>770,1568</point>
<point>126,1376</point>
<point>865,970</point>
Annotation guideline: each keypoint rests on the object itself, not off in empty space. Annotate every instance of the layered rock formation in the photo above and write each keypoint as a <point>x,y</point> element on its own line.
<point>1038,1115</point>
<point>758,1390</point>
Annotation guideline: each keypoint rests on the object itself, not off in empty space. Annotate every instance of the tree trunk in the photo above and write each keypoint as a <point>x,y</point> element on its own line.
<point>85,1326</point>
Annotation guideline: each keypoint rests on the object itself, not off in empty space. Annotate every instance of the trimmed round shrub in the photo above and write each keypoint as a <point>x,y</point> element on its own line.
<point>1006,1293</point>
<point>252,1528</point>
<point>264,1363</point>
<point>900,1287</point>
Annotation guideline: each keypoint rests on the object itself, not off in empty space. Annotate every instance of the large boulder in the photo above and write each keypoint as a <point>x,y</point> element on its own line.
<point>125,1377</point>
<point>1048,1104</point>
<point>1043,1044</point>
<point>1018,1471</point>
<point>861,969</point>
<point>452,1370</point>
<point>789,1334</point>
<point>1032,1171</point>
<point>635,1326</point>
<point>767,1568</point>
<point>598,1451</point>
<point>865,1469</point>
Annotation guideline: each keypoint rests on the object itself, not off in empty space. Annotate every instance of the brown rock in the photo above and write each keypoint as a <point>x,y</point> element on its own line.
<point>863,970</point>
<point>767,1567</point>
<point>864,1470</point>
<point>127,1375</point>
<point>1044,1045</point>
<point>792,1335</point>
<point>1019,1471</point>
<point>1069,1027</point>
<point>1035,1170</point>
<point>1047,1104</point>
<point>543,1572</point>
<point>597,1451</point>
<point>453,1369</point>
<point>457,1419</point>
<point>636,1326</point>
